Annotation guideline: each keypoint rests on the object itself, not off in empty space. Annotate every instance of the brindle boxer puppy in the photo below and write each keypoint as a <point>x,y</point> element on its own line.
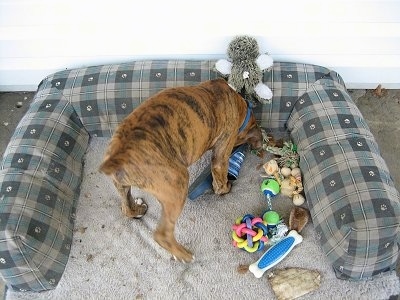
<point>153,147</point>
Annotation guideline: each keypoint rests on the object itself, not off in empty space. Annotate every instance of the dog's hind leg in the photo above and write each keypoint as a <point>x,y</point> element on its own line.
<point>172,198</point>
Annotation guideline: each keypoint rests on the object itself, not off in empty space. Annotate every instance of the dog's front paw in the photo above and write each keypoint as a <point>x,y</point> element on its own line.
<point>222,189</point>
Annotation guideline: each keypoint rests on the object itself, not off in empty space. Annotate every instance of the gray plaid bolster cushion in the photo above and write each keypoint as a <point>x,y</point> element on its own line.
<point>354,205</point>
<point>41,170</point>
<point>40,178</point>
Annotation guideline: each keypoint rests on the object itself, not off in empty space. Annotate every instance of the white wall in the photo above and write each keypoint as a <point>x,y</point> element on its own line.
<point>359,39</point>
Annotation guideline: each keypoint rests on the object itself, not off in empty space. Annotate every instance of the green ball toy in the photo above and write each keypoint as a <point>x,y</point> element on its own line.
<point>270,187</point>
<point>271,217</point>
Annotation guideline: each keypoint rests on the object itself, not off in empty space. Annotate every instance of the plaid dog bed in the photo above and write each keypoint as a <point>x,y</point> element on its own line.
<point>353,202</point>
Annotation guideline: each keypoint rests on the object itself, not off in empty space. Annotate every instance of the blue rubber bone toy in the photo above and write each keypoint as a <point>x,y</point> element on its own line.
<point>275,254</point>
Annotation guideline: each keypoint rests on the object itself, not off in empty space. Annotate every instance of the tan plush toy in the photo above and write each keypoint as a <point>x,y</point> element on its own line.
<point>245,67</point>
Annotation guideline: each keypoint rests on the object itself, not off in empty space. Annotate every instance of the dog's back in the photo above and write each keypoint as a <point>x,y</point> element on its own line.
<point>177,126</point>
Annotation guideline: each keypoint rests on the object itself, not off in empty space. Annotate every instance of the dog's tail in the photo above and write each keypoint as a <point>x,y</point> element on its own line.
<point>108,166</point>
<point>113,167</point>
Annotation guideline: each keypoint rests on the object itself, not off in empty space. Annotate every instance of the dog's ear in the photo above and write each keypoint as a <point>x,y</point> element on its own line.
<point>254,138</point>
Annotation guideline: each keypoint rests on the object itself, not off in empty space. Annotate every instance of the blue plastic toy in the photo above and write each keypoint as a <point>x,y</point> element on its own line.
<point>204,181</point>
<point>275,254</point>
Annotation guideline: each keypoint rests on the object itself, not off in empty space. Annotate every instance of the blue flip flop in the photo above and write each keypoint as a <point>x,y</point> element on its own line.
<point>204,181</point>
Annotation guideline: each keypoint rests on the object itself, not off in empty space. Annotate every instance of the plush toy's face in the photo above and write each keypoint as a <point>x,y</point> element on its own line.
<point>242,48</point>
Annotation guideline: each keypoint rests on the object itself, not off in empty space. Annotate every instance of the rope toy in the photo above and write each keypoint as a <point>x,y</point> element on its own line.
<point>249,233</point>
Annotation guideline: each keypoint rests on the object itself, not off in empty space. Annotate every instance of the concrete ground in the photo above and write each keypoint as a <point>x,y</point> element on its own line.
<point>380,108</point>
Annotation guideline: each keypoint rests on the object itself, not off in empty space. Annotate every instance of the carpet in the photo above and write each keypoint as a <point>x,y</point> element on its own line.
<point>113,257</point>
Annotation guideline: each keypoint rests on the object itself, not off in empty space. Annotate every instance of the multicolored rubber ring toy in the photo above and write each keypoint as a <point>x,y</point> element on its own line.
<point>249,233</point>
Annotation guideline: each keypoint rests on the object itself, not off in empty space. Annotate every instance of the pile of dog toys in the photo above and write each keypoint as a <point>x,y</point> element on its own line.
<point>251,233</point>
